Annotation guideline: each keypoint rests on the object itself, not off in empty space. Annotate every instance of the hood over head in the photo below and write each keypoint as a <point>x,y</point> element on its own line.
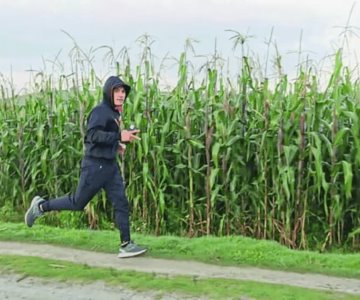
<point>111,83</point>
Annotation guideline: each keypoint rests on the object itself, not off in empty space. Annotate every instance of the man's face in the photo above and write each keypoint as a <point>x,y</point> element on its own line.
<point>119,98</point>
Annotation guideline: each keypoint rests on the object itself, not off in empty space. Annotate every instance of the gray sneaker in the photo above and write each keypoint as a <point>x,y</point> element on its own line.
<point>130,250</point>
<point>34,211</point>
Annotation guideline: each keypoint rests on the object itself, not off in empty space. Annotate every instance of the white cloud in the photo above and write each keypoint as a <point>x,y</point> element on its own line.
<point>278,11</point>
<point>31,28</point>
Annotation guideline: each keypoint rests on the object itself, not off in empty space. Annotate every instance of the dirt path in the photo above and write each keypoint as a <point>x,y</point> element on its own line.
<point>16,287</point>
<point>191,268</point>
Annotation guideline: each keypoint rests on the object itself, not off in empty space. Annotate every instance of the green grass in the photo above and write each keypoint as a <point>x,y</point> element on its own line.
<point>235,251</point>
<point>211,288</point>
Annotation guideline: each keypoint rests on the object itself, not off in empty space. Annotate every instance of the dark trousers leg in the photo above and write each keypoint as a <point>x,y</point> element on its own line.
<point>115,192</point>
<point>91,181</point>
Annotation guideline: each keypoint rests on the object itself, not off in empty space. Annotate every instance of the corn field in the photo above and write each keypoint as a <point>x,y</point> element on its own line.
<point>223,156</point>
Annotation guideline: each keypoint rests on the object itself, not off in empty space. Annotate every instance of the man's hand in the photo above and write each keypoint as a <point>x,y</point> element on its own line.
<point>122,149</point>
<point>129,135</point>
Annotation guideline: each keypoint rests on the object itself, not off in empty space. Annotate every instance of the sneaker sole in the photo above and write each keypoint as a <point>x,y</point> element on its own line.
<point>131,254</point>
<point>28,211</point>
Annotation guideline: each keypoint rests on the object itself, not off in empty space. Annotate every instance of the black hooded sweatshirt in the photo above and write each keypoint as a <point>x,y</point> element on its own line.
<point>103,132</point>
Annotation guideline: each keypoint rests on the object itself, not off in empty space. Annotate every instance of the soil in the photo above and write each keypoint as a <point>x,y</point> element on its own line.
<point>15,288</point>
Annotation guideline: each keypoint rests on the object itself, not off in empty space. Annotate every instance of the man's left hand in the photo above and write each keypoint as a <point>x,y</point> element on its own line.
<point>129,135</point>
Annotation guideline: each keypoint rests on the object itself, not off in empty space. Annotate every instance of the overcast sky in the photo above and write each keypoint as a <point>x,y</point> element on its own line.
<point>32,29</point>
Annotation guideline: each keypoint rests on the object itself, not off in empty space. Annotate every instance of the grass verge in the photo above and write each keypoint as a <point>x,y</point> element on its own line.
<point>159,284</point>
<point>234,251</point>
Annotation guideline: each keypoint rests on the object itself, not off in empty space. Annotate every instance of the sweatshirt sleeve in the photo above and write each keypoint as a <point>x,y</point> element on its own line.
<point>95,129</point>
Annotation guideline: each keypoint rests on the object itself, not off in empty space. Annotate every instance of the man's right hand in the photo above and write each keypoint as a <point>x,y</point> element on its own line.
<point>122,149</point>
<point>129,135</point>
